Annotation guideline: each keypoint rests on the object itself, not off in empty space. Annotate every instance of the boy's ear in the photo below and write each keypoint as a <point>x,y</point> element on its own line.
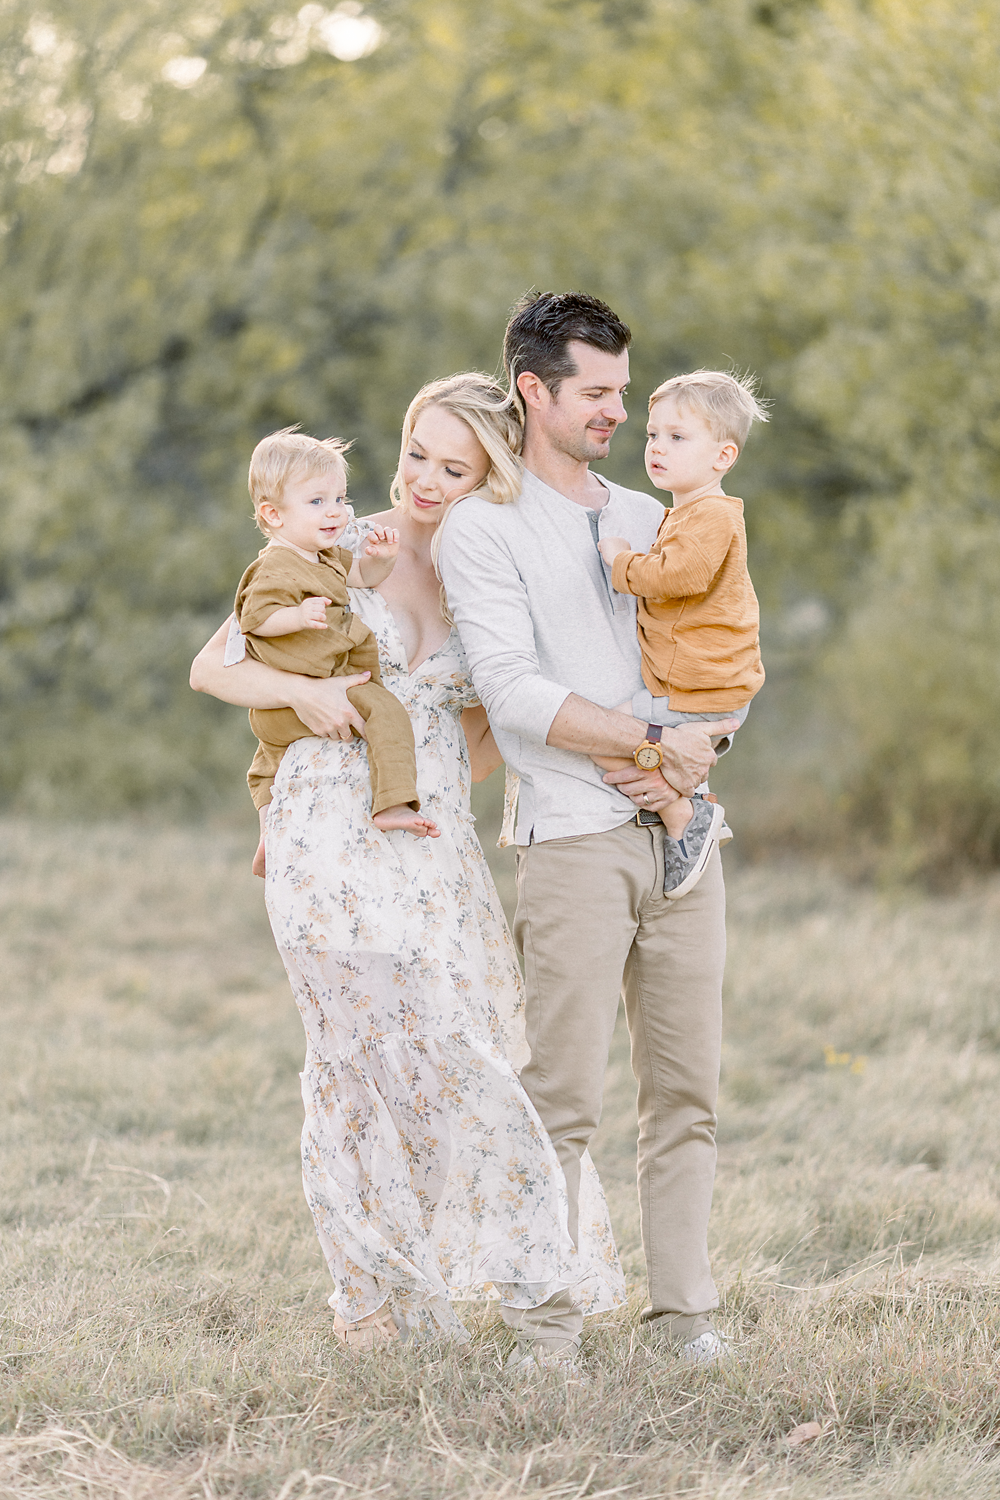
<point>269,514</point>
<point>728,454</point>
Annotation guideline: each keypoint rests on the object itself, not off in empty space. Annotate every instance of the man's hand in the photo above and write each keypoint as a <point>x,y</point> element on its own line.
<point>312,613</point>
<point>645,788</point>
<point>688,755</point>
<point>687,759</point>
<point>610,546</point>
<point>324,707</point>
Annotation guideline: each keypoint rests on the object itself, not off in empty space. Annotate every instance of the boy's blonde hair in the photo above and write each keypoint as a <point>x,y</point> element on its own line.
<point>488,411</point>
<point>729,403</point>
<point>284,456</point>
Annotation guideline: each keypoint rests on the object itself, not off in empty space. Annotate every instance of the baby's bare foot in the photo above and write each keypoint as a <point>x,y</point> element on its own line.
<point>407,819</point>
<point>258,866</point>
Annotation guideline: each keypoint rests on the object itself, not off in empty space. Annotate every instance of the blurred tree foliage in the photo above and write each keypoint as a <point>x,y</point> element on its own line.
<point>213,225</point>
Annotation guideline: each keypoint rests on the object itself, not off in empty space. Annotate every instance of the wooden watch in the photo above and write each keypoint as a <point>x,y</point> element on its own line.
<point>649,755</point>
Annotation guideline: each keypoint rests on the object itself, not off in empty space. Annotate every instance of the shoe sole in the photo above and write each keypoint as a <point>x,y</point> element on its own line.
<point>711,840</point>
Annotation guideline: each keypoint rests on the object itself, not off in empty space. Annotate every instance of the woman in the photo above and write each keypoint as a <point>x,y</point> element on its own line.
<point>426,1168</point>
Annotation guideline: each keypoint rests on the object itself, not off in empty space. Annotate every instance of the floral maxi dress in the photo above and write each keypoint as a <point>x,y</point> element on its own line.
<point>427,1170</point>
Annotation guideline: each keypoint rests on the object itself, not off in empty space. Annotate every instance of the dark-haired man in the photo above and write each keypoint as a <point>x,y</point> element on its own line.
<point>551,648</point>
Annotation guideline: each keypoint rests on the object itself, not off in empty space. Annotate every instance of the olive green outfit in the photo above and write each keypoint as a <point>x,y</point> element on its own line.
<point>278,579</point>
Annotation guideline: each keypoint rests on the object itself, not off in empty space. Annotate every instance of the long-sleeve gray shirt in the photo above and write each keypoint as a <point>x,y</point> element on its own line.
<point>533,603</point>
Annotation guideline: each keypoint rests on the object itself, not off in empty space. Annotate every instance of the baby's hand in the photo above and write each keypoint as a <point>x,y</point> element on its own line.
<point>312,613</point>
<point>610,546</point>
<point>382,542</point>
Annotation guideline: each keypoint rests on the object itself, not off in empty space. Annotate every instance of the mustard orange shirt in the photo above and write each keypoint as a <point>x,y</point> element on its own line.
<point>698,618</point>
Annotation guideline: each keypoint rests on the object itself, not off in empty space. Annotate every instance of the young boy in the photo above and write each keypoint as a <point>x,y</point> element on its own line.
<point>697,612</point>
<point>293,609</point>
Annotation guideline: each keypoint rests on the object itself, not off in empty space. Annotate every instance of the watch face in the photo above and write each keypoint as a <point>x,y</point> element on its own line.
<point>648,757</point>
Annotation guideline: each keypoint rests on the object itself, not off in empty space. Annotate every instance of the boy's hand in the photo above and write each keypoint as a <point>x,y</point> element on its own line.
<point>382,542</point>
<point>610,546</point>
<point>312,613</point>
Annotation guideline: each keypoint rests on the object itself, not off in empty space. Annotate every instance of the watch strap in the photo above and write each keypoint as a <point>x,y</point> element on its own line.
<point>654,733</point>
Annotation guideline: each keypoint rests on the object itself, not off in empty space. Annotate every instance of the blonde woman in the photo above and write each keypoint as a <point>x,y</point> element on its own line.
<point>428,1173</point>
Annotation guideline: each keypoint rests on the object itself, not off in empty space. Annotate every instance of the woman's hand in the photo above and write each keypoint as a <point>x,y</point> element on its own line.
<point>320,702</point>
<point>324,707</point>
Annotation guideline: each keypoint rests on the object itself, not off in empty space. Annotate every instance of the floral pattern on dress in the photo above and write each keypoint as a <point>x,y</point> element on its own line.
<point>427,1169</point>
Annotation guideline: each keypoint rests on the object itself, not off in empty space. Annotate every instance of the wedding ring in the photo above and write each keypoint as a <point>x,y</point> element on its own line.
<point>645,798</point>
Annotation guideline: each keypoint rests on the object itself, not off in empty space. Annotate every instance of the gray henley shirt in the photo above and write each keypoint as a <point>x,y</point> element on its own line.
<point>538,618</point>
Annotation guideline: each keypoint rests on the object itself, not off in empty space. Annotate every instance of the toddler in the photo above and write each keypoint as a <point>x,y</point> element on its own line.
<point>698,618</point>
<point>293,609</point>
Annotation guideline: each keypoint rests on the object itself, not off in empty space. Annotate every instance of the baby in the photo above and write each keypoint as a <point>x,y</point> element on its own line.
<point>292,607</point>
<point>697,611</point>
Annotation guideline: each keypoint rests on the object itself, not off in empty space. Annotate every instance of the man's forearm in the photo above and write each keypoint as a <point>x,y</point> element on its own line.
<point>591,730</point>
<point>687,750</point>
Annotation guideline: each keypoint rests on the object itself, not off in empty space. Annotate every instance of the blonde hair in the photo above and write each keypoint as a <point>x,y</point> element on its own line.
<point>490,414</point>
<point>729,403</point>
<point>493,418</point>
<point>284,456</point>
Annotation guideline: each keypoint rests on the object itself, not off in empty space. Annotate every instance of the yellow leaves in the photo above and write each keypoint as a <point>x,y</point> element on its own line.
<point>835,1059</point>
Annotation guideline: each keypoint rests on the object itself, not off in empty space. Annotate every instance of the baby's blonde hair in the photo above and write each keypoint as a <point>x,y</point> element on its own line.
<point>284,456</point>
<point>729,403</point>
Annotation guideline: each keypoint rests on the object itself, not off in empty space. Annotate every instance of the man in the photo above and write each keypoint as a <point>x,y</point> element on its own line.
<point>552,648</point>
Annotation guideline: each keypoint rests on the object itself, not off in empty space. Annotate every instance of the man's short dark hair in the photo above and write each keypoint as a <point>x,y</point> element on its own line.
<point>542,326</point>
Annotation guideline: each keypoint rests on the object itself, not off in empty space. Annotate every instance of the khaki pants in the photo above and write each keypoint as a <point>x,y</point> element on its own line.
<point>593,924</point>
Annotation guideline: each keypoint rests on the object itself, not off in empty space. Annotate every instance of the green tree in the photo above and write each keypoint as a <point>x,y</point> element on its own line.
<point>213,225</point>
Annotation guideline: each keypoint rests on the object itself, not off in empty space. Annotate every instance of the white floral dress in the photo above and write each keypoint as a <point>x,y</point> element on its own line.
<point>428,1172</point>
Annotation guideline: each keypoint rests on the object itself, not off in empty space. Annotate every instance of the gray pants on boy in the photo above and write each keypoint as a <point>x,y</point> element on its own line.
<point>652,710</point>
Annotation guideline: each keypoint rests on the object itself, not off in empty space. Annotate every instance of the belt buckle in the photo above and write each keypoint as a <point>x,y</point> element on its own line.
<point>646,817</point>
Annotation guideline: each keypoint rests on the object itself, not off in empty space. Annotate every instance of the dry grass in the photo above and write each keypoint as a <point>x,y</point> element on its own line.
<point>165,1324</point>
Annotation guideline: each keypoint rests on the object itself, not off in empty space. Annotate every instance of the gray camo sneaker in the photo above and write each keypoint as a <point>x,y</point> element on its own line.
<point>684,859</point>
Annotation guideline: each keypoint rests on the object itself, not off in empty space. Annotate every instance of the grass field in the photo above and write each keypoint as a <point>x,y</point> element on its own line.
<point>165,1328</point>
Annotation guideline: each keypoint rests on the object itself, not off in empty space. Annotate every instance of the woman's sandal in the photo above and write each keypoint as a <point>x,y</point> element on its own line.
<point>369,1333</point>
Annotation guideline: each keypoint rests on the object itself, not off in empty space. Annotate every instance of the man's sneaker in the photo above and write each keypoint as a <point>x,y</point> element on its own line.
<point>709,1348</point>
<point>539,1358</point>
<point>684,859</point>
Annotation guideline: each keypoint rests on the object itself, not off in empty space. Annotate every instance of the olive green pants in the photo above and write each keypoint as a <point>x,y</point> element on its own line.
<point>593,925</point>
